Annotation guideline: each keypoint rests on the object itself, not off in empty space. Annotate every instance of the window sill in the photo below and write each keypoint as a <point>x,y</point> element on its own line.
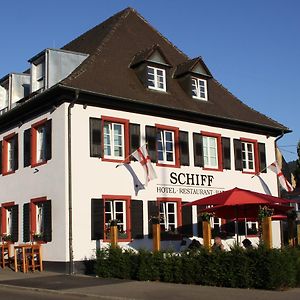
<point>37,164</point>
<point>8,173</point>
<point>201,99</point>
<point>116,160</point>
<point>158,164</point>
<point>213,169</point>
<point>249,172</point>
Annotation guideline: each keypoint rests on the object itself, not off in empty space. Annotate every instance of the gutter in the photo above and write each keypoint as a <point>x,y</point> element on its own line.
<point>70,198</point>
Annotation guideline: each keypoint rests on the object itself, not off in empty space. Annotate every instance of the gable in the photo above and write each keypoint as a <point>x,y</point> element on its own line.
<point>199,69</point>
<point>156,57</point>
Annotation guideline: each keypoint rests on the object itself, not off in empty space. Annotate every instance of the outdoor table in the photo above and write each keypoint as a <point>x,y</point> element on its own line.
<point>26,250</point>
<point>22,249</point>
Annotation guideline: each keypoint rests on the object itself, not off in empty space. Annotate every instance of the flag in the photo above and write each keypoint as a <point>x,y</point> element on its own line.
<point>264,185</point>
<point>141,155</point>
<point>136,182</point>
<point>283,181</point>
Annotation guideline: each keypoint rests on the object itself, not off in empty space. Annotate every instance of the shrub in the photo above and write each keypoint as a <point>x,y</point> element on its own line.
<point>255,268</point>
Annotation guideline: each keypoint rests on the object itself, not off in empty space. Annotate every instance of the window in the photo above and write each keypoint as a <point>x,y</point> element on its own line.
<point>199,88</point>
<point>114,146</point>
<point>251,228</point>
<point>156,78</point>
<point>210,152</point>
<point>248,158</point>
<point>9,222</point>
<point>40,144</point>
<point>10,154</point>
<point>40,76</point>
<point>37,143</point>
<point>40,220</point>
<point>168,216</point>
<point>165,146</point>
<point>117,208</point>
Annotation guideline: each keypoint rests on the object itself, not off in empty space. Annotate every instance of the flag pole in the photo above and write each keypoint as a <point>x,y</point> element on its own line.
<point>126,158</point>
<point>256,174</point>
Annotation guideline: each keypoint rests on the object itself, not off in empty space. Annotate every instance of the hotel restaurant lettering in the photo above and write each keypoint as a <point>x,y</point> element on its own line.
<point>77,112</point>
<point>187,183</point>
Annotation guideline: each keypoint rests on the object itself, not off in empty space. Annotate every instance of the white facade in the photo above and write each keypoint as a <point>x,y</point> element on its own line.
<point>93,178</point>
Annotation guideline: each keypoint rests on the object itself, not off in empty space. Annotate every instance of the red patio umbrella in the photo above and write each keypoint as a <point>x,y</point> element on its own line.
<point>237,197</point>
<point>246,211</point>
<point>239,203</point>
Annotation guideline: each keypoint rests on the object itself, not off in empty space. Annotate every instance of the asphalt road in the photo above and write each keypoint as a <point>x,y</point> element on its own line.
<point>16,294</point>
<point>47,285</point>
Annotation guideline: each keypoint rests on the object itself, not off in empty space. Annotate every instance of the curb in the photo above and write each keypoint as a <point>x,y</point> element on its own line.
<point>68,293</point>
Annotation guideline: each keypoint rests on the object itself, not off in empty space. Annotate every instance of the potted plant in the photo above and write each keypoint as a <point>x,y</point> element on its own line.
<point>7,238</point>
<point>38,237</point>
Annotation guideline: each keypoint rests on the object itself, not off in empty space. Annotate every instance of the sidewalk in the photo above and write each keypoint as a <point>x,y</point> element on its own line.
<point>80,285</point>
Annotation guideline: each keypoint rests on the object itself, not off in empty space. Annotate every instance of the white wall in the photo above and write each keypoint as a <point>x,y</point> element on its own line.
<point>49,181</point>
<point>92,177</point>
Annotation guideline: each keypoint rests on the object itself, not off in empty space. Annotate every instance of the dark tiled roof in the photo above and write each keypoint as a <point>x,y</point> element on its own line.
<point>113,44</point>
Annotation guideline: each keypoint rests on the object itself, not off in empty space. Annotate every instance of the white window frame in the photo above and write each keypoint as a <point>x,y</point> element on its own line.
<point>9,221</point>
<point>196,88</point>
<point>10,155</point>
<point>249,226</point>
<point>245,156</point>
<point>162,139</point>
<point>165,213</point>
<point>40,70</point>
<point>39,209</point>
<point>207,152</point>
<point>214,222</point>
<point>40,143</point>
<point>113,213</point>
<point>156,80</point>
<point>112,144</point>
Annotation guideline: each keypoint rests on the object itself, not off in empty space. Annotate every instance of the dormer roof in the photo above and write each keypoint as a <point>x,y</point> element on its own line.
<point>195,65</point>
<point>152,54</point>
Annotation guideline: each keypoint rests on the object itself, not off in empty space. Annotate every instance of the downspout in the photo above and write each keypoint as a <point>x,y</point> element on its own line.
<point>71,256</point>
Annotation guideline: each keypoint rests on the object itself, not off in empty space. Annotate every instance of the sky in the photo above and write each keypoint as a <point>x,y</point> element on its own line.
<point>251,47</point>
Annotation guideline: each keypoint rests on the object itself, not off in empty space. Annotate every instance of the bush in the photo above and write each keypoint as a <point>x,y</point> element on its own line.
<point>255,268</point>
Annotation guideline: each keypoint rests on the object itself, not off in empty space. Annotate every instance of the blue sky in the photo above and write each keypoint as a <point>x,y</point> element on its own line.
<point>251,47</point>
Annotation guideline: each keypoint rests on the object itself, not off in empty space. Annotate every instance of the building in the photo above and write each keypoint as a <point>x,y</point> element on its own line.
<point>80,110</point>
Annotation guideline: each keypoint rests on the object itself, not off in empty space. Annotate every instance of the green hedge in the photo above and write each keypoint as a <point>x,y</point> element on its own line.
<point>256,268</point>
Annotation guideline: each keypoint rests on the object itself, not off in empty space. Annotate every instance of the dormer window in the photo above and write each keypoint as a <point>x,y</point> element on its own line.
<point>199,88</point>
<point>156,78</point>
<point>40,75</point>
<point>152,68</point>
<point>194,76</point>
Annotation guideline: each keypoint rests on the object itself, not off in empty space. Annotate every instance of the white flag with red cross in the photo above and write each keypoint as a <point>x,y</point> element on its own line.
<point>282,180</point>
<point>141,155</point>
